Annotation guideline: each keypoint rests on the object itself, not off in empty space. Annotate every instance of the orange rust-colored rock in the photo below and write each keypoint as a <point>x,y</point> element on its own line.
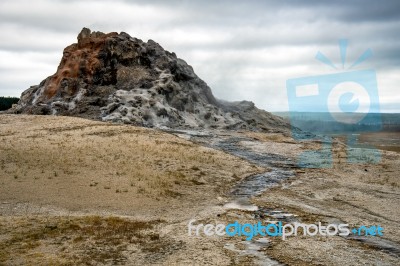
<point>80,60</point>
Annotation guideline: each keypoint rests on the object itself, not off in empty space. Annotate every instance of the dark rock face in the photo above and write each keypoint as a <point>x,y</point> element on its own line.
<point>114,77</point>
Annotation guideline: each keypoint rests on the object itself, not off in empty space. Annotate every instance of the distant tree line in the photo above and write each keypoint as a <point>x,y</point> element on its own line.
<point>7,102</point>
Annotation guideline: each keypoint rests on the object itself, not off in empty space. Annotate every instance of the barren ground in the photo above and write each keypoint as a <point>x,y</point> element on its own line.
<point>74,191</point>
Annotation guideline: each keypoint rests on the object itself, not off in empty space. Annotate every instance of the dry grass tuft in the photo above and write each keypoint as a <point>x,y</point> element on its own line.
<point>86,240</point>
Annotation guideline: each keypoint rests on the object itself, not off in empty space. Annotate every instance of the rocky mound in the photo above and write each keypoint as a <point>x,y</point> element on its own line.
<point>115,77</point>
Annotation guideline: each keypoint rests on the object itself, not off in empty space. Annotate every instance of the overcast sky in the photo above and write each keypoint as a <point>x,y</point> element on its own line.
<point>244,50</point>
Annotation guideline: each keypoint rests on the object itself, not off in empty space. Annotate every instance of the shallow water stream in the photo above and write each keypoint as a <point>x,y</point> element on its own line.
<point>280,168</point>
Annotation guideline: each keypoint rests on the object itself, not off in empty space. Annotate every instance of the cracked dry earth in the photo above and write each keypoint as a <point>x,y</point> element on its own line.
<point>75,191</point>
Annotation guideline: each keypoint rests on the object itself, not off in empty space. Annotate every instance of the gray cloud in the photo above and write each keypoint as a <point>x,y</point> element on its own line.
<point>242,49</point>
